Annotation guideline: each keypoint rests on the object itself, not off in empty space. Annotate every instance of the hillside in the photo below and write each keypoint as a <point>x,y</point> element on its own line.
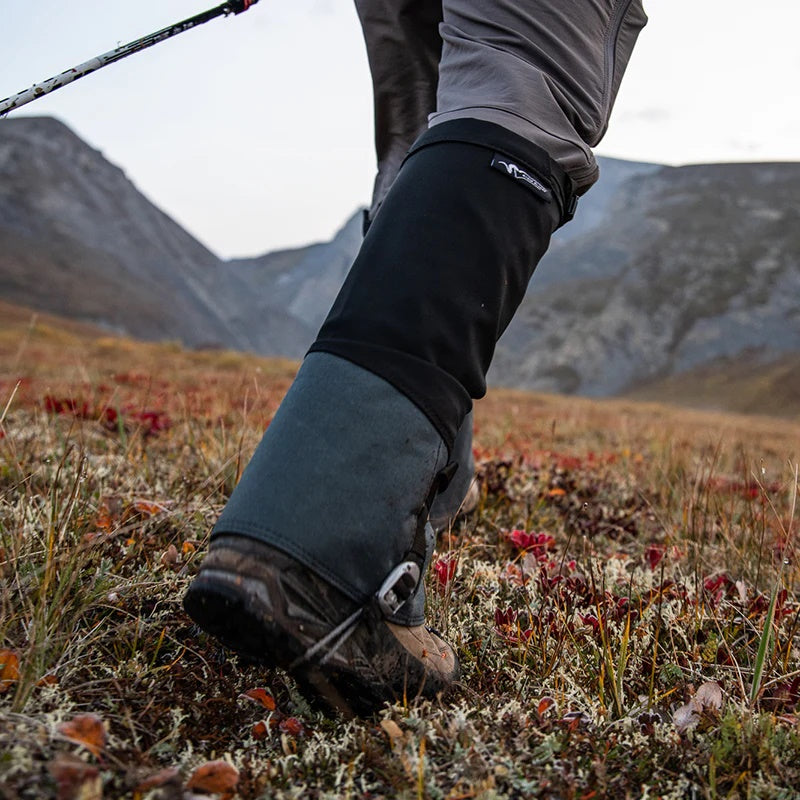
<point>742,384</point>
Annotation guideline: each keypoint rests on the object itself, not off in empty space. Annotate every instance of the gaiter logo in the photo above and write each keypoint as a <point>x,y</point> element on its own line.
<point>515,171</point>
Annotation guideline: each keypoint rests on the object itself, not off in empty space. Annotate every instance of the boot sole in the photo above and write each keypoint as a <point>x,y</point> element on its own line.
<point>225,607</point>
<point>222,609</point>
<point>237,610</point>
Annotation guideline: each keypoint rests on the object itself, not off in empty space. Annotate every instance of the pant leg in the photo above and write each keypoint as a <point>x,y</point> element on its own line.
<point>403,48</point>
<point>548,70</point>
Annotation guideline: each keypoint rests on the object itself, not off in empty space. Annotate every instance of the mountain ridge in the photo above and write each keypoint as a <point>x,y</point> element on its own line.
<point>664,270</point>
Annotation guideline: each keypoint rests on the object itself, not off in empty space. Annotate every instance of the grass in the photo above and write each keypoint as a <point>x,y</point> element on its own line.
<point>623,558</point>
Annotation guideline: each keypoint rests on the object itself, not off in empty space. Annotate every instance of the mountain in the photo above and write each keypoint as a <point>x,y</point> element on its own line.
<point>298,285</point>
<point>77,238</point>
<point>688,266</point>
<point>666,276</point>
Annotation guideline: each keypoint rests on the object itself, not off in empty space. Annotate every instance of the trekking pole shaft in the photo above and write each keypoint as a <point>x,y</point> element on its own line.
<point>93,64</point>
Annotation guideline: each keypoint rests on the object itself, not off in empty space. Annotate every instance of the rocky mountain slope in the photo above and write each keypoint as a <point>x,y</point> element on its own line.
<point>688,266</point>
<point>665,270</point>
<point>77,238</point>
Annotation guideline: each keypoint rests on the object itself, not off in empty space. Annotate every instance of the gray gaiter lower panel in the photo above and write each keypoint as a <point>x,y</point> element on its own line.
<point>340,478</point>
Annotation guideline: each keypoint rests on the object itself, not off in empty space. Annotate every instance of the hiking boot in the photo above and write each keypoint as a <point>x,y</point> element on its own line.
<point>261,603</point>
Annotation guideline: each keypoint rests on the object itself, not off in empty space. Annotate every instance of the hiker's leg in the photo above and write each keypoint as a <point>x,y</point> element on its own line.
<point>548,70</point>
<point>403,48</point>
<point>343,477</point>
<point>524,89</point>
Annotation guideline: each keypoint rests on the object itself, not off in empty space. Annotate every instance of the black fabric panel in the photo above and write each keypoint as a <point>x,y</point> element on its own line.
<point>443,268</point>
<point>488,135</point>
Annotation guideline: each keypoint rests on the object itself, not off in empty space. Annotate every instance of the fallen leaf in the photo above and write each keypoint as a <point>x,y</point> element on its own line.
<point>88,730</point>
<point>214,777</point>
<point>149,508</point>
<point>164,777</point>
<point>707,700</point>
<point>104,521</point>
<point>292,726</point>
<point>544,704</point>
<point>709,696</point>
<point>260,696</point>
<point>9,669</point>
<point>170,557</point>
<point>75,779</point>
<point>260,730</point>
<point>685,717</point>
<point>576,719</point>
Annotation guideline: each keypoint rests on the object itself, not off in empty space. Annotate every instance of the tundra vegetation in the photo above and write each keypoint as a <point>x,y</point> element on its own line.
<point>624,599</point>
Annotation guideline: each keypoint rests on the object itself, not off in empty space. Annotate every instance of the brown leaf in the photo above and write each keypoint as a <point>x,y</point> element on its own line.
<point>170,557</point>
<point>685,717</point>
<point>709,697</point>
<point>88,730</point>
<point>169,776</point>
<point>544,704</point>
<point>9,669</point>
<point>75,779</point>
<point>214,777</point>
<point>576,719</point>
<point>292,726</point>
<point>260,730</point>
<point>104,521</point>
<point>706,704</point>
<point>260,696</point>
<point>149,508</point>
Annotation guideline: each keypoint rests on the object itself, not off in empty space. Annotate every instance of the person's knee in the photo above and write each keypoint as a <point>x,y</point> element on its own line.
<point>549,77</point>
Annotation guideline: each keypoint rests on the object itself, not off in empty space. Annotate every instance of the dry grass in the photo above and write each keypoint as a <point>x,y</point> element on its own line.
<point>625,602</point>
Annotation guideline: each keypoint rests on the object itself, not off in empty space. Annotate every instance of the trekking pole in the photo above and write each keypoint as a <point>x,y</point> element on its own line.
<point>70,75</point>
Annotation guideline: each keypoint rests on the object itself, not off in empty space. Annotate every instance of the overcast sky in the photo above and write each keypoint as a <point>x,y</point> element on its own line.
<point>255,131</point>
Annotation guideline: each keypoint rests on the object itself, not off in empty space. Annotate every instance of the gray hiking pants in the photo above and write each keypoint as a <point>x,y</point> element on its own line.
<point>548,70</point>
